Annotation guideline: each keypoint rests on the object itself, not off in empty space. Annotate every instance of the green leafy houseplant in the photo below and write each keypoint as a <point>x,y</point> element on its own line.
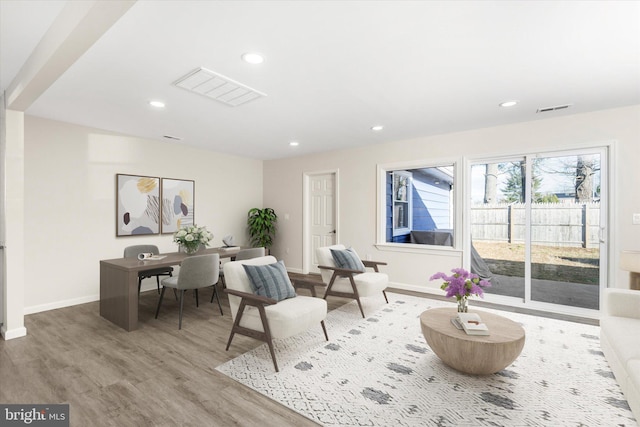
<point>262,226</point>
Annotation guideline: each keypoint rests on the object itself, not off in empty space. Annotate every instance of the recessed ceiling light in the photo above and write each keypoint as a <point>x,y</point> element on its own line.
<point>157,104</point>
<point>253,58</point>
<point>294,143</point>
<point>508,103</point>
<point>377,128</point>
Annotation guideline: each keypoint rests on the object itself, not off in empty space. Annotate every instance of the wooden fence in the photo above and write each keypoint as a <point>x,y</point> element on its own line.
<point>552,224</point>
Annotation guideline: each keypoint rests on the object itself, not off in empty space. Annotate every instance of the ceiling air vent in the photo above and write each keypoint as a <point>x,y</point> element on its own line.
<point>554,108</point>
<point>216,86</point>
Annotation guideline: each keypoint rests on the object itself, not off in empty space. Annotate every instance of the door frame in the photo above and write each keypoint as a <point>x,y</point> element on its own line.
<point>307,256</point>
<point>608,248</point>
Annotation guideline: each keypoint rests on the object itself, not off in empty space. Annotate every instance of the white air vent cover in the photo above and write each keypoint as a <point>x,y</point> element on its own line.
<point>216,86</point>
<point>554,108</point>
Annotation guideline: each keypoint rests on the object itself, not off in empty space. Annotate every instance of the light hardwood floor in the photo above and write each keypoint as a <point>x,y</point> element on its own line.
<point>154,376</point>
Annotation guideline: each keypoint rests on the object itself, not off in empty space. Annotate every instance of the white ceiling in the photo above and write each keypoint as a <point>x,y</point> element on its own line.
<point>333,69</point>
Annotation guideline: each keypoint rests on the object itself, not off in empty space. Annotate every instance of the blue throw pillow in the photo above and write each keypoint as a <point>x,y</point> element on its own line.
<point>347,258</point>
<point>270,280</point>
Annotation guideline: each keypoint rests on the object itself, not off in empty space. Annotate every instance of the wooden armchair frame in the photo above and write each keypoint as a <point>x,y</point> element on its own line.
<point>260,302</point>
<point>348,273</point>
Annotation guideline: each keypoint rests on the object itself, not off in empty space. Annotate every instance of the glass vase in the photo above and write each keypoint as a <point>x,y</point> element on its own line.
<point>463,304</point>
<point>191,249</point>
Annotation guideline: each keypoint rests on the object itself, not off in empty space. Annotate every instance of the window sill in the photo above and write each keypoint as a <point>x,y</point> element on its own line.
<point>418,249</point>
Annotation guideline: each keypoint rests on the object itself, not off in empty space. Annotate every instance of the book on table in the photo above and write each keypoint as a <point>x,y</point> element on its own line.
<point>472,324</point>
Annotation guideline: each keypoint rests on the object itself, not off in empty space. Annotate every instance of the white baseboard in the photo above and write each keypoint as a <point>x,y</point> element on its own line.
<point>14,333</point>
<point>294,270</point>
<point>60,304</point>
<point>415,288</point>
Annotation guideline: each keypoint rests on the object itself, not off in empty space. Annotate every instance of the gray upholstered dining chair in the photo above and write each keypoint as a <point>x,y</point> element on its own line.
<point>134,251</point>
<point>240,256</point>
<point>197,271</point>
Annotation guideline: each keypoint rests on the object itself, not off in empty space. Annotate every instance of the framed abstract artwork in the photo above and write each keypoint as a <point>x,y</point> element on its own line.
<point>138,205</point>
<point>178,202</point>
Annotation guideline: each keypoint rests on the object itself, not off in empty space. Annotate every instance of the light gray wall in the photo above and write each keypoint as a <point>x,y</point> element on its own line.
<point>69,217</point>
<point>283,185</point>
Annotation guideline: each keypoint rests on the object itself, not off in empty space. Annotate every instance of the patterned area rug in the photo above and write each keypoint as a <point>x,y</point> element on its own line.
<point>379,371</point>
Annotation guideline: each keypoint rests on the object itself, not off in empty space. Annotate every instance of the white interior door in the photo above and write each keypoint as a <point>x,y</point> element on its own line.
<point>322,215</point>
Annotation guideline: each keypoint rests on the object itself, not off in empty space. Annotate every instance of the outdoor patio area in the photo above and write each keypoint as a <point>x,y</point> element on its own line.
<point>560,275</point>
<point>550,291</point>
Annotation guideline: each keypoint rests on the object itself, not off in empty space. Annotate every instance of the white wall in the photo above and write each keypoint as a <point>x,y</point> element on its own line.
<point>70,203</point>
<point>358,185</point>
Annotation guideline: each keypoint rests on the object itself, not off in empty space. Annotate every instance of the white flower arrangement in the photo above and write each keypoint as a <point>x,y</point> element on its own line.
<point>191,237</point>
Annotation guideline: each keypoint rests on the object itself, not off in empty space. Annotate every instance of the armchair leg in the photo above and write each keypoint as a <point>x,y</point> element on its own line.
<point>262,336</point>
<point>236,323</point>
<point>160,301</point>
<point>356,295</point>
<point>360,305</point>
<point>324,329</point>
<point>267,333</point>
<point>158,282</point>
<point>139,284</point>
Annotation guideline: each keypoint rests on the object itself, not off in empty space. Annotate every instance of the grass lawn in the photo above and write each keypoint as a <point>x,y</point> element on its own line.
<point>576,265</point>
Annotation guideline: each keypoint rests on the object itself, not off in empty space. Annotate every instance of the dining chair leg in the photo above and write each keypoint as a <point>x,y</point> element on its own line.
<point>385,296</point>
<point>160,301</point>
<point>215,294</point>
<point>181,305</point>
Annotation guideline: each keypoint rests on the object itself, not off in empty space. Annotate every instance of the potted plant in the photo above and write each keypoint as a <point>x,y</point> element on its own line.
<point>191,237</point>
<point>262,226</point>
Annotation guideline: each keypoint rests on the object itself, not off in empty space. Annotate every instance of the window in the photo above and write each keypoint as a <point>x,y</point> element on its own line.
<point>418,205</point>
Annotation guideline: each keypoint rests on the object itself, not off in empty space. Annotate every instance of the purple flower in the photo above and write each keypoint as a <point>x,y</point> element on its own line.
<point>462,283</point>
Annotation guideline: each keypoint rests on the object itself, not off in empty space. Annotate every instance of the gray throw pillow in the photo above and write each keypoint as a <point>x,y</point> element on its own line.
<point>270,280</point>
<point>347,258</point>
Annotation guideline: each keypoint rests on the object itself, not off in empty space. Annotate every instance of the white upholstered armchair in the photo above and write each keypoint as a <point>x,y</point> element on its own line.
<point>264,305</point>
<point>345,275</point>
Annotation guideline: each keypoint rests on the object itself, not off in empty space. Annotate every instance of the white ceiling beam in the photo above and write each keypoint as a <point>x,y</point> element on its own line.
<point>79,25</point>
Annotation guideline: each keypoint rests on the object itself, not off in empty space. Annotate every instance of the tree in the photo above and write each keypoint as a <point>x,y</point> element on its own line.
<point>491,183</point>
<point>585,169</point>
<point>582,170</point>
<point>515,187</point>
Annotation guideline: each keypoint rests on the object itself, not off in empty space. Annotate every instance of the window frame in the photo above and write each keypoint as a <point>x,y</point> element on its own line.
<point>382,169</point>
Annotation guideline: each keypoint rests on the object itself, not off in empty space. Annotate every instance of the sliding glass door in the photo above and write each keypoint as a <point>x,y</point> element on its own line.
<point>566,231</point>
<point>538,227</point>
<point>497,226</point>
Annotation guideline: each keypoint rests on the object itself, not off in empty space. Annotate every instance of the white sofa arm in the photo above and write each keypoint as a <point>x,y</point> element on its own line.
<point>622,303</point>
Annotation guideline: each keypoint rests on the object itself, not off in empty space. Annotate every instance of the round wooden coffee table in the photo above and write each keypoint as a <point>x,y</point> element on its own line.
<point>472,354</point>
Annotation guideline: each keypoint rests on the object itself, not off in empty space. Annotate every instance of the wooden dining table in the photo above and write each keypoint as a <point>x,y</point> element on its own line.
<point>119,283</point>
